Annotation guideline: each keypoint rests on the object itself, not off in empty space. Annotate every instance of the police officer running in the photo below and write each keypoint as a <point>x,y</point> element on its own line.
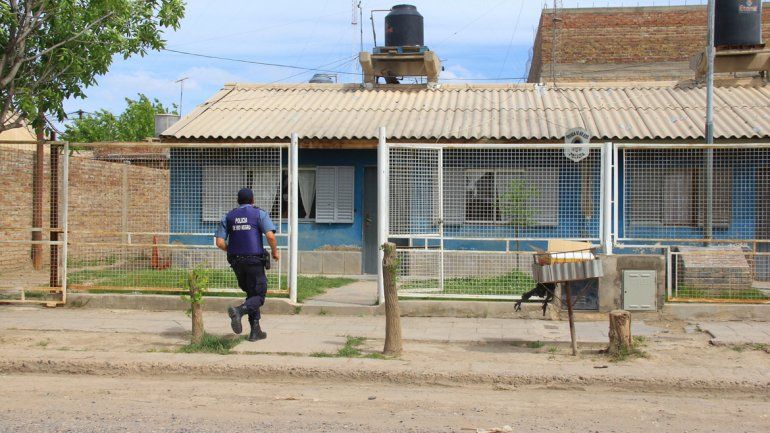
<point>240,235</point>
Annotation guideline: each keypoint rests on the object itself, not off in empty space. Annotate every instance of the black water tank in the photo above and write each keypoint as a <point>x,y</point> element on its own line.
<point>403,27</point>
<point>738,22</point>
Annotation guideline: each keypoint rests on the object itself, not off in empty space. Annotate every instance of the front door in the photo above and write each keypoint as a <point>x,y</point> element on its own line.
<point>370,254</point>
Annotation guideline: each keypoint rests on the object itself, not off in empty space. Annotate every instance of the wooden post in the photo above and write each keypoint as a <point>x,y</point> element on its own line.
<point>620,332</point>
<point>571,318</point>
<point>393,346</point>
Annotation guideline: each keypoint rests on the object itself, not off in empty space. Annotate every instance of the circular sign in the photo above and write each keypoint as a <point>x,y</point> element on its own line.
<point>573,139</point>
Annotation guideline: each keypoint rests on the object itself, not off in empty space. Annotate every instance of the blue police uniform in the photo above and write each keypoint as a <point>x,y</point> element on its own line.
<point>242,228</point>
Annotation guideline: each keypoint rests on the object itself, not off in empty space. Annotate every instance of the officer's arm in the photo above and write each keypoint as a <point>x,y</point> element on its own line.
<point>221,234</point>
<point>273,245</point>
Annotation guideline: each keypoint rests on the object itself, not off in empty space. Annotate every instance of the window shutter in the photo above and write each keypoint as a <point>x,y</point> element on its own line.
<point>546,202</point>
<point>454,197</point>
<point>345,195</point>
<point>220,185</point>
<point>678,198</point>
<point>335,191</point>
<point>325,184</point>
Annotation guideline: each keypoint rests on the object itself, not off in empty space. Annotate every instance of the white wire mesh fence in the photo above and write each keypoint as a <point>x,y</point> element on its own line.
<point>32,221</point>
<point>467,218</point>
<point>711,206</point>
<point>142,217</point>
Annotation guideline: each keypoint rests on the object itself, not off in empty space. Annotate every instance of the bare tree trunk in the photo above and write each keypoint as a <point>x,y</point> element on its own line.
<point>197,322</point>
<point>572,335</point>
<point>37,196</point>
<point>393,346</point>
<point>620,332</point>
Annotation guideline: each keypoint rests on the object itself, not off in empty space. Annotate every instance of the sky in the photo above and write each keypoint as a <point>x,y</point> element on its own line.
<point>479,40</point>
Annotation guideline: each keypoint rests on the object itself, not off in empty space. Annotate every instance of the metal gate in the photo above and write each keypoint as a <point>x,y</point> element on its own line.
<point>33,223</point>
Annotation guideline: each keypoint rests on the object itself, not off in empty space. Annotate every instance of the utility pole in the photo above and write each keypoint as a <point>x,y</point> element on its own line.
<point>709,162</point>
<point>181,91</point>
<point>557,4</point>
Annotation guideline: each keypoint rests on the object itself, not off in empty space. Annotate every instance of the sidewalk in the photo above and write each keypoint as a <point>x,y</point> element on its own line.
<point>500,352</point>
<point>304,334</point>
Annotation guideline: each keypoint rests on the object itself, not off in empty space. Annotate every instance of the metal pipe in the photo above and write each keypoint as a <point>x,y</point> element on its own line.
<point>294,216</point>
<point>440,181</point>
<point>709,229</point>
<point>606,194</point>
<point>383,167</point>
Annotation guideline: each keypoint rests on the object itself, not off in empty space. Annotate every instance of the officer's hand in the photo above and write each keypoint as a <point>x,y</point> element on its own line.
<point>276,256</point>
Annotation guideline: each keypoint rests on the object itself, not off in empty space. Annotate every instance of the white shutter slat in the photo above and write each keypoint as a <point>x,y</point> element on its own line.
<point>220,185</point>
<point>454,197</point>
<point>326,185</point>
<point>345,212</point>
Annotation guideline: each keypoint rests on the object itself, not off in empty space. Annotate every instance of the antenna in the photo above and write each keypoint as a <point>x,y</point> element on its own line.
<point>181,91</point>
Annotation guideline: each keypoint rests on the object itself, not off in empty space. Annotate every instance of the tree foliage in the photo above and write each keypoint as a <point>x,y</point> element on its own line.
<point>136,123</point>
<point>54,49</point>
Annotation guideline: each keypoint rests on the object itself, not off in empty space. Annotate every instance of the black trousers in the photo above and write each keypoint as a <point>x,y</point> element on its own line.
<point>250,272</point>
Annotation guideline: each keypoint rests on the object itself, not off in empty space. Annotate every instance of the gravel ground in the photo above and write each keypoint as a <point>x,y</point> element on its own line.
<point>40,403</point>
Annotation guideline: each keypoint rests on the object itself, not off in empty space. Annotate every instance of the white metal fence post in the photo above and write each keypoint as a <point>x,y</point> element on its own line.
<point>607,202</point>
<point>383,179</point>
<point>293,216</point>
<point>440,212</point>
<point>64,218</point>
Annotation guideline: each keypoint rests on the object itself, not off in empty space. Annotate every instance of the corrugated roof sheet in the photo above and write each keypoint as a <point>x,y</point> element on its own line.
<point>631,111</point>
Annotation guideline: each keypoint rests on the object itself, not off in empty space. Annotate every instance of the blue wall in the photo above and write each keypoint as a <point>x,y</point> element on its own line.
<point>743,210</point>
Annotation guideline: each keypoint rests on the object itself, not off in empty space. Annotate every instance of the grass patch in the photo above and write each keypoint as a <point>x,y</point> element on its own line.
<point>760,347</point>
<point>535,344</point>
<point>684,291</point>
<point>213,344</point>
<point>553,349</point>
<point>169,278</point>
<point>350,350</point>
<point>635,351</point>
<point>511,283</point>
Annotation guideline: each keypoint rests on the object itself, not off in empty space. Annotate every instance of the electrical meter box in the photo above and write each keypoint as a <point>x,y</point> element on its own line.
<point>639,290</point>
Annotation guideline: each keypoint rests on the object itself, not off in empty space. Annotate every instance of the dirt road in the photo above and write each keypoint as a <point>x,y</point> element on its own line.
<point>39,403</point>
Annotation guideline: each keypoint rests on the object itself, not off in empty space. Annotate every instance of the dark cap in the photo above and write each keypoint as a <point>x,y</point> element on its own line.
<point>245,196</point>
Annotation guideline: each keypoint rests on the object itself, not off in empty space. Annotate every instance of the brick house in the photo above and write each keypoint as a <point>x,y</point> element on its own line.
<point>621,44</point>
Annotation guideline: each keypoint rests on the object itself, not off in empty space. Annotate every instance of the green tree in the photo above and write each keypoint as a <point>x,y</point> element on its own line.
<point>136,123</point>
<point>516,206</point>
<point>54,49</point>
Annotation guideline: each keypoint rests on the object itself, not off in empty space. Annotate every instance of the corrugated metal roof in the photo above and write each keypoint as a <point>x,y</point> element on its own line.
<point>627,111</point>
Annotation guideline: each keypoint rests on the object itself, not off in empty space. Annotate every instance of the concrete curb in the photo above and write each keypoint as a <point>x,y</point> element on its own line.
<point>357,370</point>
<point>168,303</point>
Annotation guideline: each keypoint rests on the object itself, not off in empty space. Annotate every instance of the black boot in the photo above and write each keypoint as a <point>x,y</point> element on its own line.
<point>236,313</point>
<point>256,332</point>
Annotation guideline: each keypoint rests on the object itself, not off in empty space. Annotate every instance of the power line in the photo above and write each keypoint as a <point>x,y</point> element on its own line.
<point>255,62</point>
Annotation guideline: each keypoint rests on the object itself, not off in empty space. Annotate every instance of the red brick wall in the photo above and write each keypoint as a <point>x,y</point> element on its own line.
<point>96,203</point>
<point>623,35</point>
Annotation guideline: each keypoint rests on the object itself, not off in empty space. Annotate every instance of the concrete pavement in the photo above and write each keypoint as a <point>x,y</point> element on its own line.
<point>737,333</point>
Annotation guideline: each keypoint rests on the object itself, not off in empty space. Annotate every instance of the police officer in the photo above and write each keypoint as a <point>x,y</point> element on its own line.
<point>240,235</point>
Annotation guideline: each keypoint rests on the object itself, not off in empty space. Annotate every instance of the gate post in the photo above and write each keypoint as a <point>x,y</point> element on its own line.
<point>383,225</point>
<point>64,219</point>
<point>607,195</point>
<point>293,216</point>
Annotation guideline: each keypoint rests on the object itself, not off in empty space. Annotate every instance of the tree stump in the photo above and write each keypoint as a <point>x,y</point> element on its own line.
<point>620,332</point>
<point>393,346</point>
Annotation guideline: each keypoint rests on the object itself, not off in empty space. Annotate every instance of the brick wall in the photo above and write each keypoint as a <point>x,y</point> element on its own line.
<point>609,37</point>
<point>16,171</point>
<point>104,197</point>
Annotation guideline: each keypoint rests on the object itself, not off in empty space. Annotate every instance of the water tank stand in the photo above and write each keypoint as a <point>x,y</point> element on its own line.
<point>399,64</point>
<point>751,60</point>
